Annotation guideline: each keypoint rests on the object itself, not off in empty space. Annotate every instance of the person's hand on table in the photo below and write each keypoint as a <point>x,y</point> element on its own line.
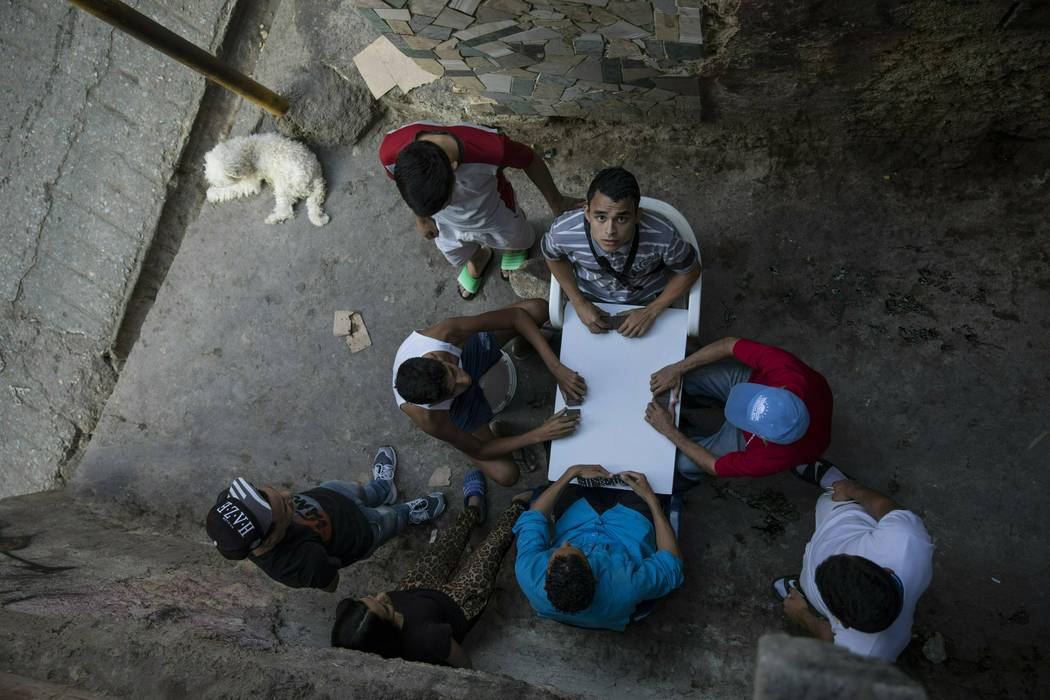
<point>590,471</point>
<point>592,317</point>
<point>662,419</point>
<point>665,379</point>
<point>557,426</point>
<point>572,385</point>
<point>637,323</point>
<point>842,490</point>
<point>638,483</point>
<point>427,227</point>
<point>795,605</point>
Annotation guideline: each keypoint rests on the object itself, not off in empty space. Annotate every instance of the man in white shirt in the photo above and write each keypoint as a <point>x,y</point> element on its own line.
<point>864,570</point>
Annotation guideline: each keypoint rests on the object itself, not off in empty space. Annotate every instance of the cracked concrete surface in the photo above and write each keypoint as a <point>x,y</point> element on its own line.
<point>912,273</point>
<point>94,127</point>
<point>908,293</point>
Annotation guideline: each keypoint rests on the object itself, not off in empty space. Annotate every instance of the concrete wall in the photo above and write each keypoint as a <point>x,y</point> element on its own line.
<point>92,130</point>
<point>93,601</point>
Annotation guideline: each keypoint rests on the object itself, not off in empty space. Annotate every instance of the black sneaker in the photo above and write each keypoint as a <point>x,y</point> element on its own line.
<point>820,473</point>
<point>427,508</point>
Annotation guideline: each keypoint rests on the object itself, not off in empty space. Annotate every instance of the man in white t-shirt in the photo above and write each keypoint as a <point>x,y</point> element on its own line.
<point>864,570</point>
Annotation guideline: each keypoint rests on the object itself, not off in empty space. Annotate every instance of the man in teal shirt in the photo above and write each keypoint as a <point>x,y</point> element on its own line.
<point>593,570</point>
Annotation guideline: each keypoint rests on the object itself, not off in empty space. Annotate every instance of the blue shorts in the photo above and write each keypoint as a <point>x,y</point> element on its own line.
<point>470,410</point>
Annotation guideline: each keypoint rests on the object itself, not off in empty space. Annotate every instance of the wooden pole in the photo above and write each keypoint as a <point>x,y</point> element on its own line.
<point>166,41</point>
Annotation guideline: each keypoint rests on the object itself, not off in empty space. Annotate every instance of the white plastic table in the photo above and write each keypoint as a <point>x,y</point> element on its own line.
<point>612,430</point>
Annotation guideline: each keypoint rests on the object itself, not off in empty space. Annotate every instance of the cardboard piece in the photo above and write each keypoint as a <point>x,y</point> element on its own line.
<point>351,326</point>
<point>441,477</point>
<point>383,66</point>
<point>342,325</point>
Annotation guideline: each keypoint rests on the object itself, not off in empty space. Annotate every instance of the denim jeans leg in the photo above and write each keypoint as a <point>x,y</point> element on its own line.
<point>372,494</point>
<point>376,492</point>
<point>348,489</point>
<point>386,522</point>
<point>716,380</point>
<point>727,439</point>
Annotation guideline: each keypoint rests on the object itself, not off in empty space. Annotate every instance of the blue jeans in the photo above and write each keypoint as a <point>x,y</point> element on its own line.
<point>385,520</point>
<point>470,410</point>
<point>713,381</point>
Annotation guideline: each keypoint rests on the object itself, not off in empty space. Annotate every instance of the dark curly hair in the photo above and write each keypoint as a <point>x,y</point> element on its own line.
<point>859,592</point>
<point>424,177</point>
<point>570,584</point>
<point>617,184</point>
<point>422,380</point>
<point>357,627</point>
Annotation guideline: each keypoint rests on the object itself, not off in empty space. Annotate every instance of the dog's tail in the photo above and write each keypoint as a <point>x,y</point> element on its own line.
<point>315,203</point>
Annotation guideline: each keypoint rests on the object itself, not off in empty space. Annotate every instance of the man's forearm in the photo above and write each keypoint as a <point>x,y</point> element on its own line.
<point>562,271</point>
<point>547,500</point>
<point>526,327</point>
<point>665,537</point>
<point>502,447</point>
<point>678,285</point>
<point>874,503</point>
<point>703,457</point>
<point>712,352</point>
<point>821,629</point>
<point>540,175</point>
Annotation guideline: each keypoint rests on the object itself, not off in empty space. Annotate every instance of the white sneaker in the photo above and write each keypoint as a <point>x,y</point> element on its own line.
<point>426,508</point>
<point>384,466</point>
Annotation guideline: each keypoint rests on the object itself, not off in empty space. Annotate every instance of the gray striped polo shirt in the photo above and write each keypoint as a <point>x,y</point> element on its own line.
<point>661,253</point>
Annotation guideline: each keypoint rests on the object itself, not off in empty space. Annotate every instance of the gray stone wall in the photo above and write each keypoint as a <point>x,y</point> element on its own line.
<point>93,127</point>
<point>95,603</point>
<point>790,668</point>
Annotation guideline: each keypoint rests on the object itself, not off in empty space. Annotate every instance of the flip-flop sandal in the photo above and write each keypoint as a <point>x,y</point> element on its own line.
<point>815,471</point>
<point>474,485</point>
<point>469,283</point>
<point>783,585</point>
<point>527,459</point>
<point>510,261</point>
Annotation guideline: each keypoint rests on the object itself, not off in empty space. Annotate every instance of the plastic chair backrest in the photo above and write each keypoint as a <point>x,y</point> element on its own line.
<point>555,306</point>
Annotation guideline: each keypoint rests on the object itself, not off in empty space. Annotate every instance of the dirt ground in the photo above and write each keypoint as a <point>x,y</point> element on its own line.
<point>893,235</point>
<point>919,294</point>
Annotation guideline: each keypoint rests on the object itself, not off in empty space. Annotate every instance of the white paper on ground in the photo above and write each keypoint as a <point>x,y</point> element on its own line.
<point>383,66</point>
<point>612,430</point>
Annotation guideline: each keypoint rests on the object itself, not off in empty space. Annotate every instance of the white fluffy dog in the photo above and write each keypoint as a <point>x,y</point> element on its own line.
<point>237,168</point>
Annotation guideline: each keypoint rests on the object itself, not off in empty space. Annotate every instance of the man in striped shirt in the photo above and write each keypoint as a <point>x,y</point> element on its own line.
<point>612,251</point>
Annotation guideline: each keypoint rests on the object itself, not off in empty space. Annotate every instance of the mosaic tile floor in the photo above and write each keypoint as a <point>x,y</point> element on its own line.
<point>554,57</point>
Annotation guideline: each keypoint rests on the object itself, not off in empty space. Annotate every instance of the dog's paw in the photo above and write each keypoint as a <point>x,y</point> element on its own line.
<point>213,195</point>
<point>276,218</point>
<point>320,220</point>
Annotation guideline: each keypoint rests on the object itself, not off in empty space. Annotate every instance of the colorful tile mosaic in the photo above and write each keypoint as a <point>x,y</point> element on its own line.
<point>554,57</point>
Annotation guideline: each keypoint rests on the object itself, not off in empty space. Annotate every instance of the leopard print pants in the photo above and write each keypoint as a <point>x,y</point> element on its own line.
<point>472,585</point>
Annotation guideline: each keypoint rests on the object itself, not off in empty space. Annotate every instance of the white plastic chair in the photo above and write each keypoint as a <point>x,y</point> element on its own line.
<point>685,231</point>
<point>500,383</point>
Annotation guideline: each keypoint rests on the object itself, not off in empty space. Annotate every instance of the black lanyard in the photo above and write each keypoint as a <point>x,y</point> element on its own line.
<point>604,263</point>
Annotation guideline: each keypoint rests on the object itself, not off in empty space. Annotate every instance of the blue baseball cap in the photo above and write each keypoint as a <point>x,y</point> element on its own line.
<point>771,413</point>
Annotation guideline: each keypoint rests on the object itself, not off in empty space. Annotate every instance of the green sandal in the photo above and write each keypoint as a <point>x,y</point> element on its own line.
<point>510,261</point>
<point>470,284</point>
